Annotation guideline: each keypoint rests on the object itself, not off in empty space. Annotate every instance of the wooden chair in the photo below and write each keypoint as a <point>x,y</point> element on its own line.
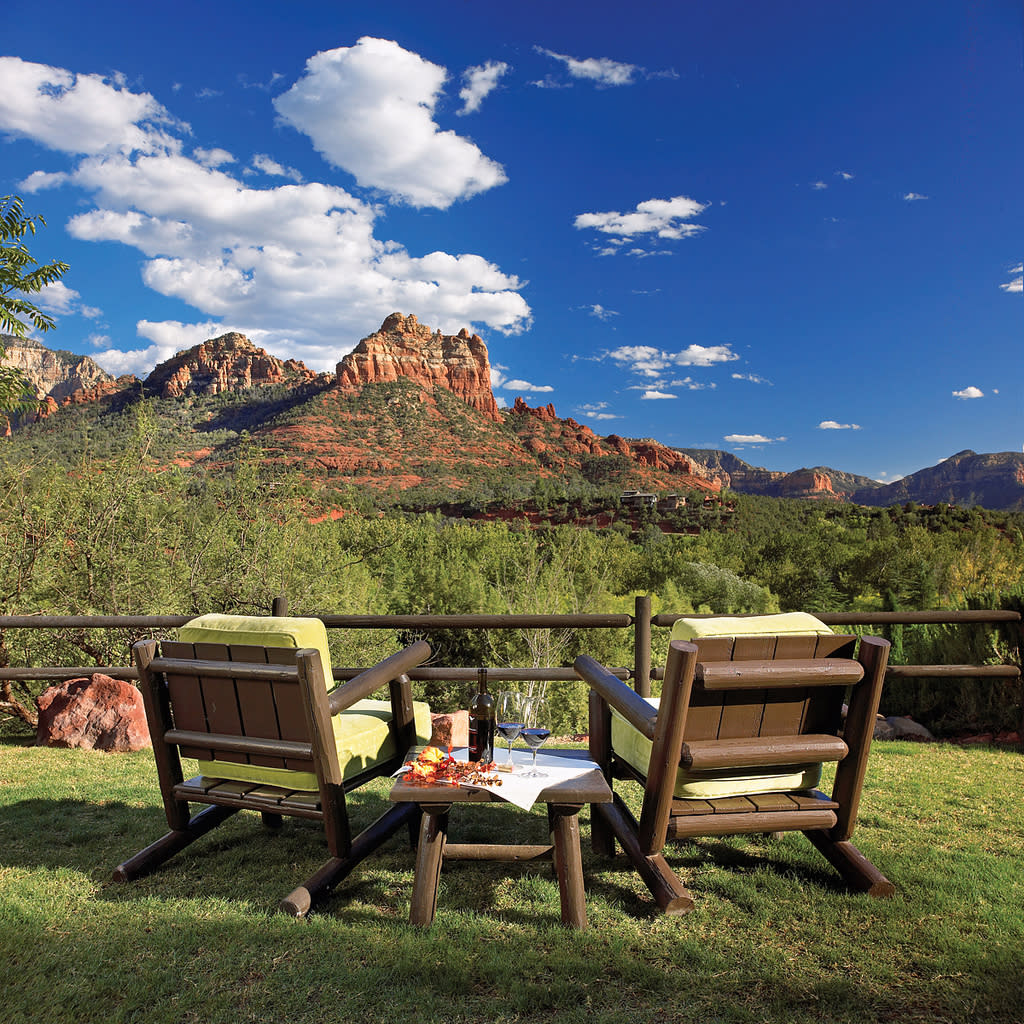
<point>267,709</point>
<point>735,746</point>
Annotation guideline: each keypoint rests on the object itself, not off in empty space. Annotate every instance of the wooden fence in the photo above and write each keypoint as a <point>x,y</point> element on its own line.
<point>641,623</point>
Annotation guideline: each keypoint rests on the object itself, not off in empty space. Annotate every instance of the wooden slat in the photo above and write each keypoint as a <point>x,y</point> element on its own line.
<point>761,750</point>
<point>786,673</point>
<point>784,712</point>
<point>753,648</point>
<point>287,695</point>
<point>243,746</point>
<point>220,701</point>
<point>731,805</point>
<point>256,705</point>
<point>750,822</point>
<point>186,695</point>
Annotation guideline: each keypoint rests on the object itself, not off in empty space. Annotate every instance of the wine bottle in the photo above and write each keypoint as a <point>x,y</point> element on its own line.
<point>481,722</point>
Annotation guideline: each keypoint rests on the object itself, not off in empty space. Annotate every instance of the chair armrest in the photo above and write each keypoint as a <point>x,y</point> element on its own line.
<point>373,678</point>
<point>633,708</point>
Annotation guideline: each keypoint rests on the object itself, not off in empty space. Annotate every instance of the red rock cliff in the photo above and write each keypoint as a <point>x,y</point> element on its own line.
<point>403,347</point>
<point>228,363</point>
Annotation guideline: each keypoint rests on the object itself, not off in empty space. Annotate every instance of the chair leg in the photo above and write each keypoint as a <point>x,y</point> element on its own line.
<point>859,873</point>
<point>602,838</point>
<point>669,893</point>
<point>175,841</point>
<point>299,902</point>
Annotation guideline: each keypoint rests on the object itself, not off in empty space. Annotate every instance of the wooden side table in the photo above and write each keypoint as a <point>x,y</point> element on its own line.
<point>564,801</point>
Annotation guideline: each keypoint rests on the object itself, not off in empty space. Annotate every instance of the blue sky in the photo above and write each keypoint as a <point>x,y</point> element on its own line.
<point>790,230</point>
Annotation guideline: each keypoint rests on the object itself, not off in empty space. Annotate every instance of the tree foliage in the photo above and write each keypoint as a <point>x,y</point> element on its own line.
<point>20,277</point>
<point>133,533</point>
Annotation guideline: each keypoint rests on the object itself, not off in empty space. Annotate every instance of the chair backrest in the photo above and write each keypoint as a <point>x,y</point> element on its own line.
<point>239,701</point>
<point>755,711</point>
<point>731,711</point>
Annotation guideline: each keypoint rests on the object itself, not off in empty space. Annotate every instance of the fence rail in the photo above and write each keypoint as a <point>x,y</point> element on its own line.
<point>641,623</point>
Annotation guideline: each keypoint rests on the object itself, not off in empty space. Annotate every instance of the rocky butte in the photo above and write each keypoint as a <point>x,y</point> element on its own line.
<point>53,374</point>
<point>405,348</point>
<point>228,363</point>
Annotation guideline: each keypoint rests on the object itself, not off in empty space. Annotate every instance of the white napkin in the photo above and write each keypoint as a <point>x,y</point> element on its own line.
<point>516,789</point>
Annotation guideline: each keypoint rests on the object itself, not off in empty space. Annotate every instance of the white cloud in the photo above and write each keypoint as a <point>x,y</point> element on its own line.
<point>369,109</point>
<point>648,361</point>
<point>652,394</point>
<point>913,197</point>
<point>270,166</point>
<point>524,385</point>
<point>969,392</point>
<point>80,113</point>
<point>58,298</point>
<point>819,185</point>
<point>659,218</point>
<point>601,70</point>
<point>600,312</point>
<point>753,378</point>
<point>212,157</point>
<point>845,175</point>
<point>596,411</point>
<point>751,439</point>
<point>39,180</point>
<point>480,82</point>
<point>499,380</point>
<point>297,265</point>
<point>1017,284</point>
<point>833,425</point>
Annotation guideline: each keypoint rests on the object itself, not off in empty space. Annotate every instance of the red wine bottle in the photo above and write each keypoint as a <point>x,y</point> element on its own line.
<point>481,722</point>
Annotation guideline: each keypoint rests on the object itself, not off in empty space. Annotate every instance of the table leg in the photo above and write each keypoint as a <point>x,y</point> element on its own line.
<point>429,854</point>
<point>565,834</point>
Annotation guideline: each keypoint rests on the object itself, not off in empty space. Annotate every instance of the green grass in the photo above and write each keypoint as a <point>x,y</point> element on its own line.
<point>774,936</point>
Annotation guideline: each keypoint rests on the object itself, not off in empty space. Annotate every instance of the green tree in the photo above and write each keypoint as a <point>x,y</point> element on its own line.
<point>20,276</point>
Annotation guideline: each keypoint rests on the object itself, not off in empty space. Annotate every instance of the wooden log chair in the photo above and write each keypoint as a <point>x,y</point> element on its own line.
<point>248,697</point>
<point>735,744</point>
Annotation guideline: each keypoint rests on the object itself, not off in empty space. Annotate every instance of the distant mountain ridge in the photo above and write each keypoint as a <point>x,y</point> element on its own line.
<point>410,407</point>
<point>51,371</point>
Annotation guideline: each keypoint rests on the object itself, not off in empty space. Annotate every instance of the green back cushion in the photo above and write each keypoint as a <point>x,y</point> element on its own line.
<point>361,734</point>
<point>635,748</point>
<point>785,624</point>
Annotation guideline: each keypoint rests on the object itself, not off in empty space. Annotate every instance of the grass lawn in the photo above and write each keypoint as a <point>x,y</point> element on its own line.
<point>774,937</point>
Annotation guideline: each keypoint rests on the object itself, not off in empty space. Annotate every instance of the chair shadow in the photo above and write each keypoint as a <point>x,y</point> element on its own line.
<point>691,861</point>
<point>93,838</point>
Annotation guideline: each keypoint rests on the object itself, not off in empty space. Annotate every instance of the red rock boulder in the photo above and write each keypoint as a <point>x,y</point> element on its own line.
<point>95,713</point>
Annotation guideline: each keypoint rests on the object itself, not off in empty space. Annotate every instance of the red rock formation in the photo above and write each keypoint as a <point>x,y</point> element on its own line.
<point>405,348</point>
<point>97,713</point>
<point>228,363</point>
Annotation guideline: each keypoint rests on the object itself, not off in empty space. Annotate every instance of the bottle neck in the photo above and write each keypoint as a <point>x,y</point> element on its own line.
<point>481,680</point>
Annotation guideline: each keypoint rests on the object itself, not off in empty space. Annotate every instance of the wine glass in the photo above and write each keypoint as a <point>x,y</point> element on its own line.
<point>510,718</point>
<point>535,732</point>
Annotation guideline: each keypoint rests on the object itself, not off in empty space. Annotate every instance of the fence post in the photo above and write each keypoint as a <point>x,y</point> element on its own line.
<point>280,605</point>
<point>642,645</point>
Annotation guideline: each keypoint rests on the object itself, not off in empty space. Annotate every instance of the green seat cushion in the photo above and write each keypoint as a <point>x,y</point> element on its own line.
<point>361,734</point>
<point>784,624</point>
<point>635,748</point>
